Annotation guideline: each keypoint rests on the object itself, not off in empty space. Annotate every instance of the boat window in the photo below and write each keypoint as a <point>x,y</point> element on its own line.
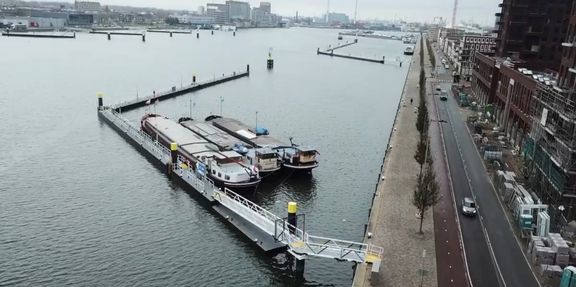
<point>227,177</point>
<point>219,174</point>
<point>213,172</point>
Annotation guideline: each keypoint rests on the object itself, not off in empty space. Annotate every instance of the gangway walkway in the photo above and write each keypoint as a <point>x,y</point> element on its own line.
<point>275,229</point>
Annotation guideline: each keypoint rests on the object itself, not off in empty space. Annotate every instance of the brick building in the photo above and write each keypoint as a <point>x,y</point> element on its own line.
<point>532,31</point>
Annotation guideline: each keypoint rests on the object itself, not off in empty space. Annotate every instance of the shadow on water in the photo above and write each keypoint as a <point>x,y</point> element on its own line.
<point>288,185</point>
<point>283,269</point>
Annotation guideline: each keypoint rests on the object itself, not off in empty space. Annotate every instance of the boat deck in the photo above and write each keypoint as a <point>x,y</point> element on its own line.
<point>246,133</point>
<point>211,133</point>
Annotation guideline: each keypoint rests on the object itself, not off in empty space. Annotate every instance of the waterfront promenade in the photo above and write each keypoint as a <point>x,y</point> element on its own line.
<point>393,223</point>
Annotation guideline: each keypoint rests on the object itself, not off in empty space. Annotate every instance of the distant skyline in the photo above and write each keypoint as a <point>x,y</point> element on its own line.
<point>481,12</point>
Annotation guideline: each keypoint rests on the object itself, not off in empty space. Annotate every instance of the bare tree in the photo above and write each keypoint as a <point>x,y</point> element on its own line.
<point>426,194</point>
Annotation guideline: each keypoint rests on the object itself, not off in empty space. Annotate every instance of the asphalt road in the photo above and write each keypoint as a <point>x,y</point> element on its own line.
<point>493,254</point>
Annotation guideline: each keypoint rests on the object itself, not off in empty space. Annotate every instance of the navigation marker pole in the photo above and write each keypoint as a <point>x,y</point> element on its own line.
<point>221,101</point>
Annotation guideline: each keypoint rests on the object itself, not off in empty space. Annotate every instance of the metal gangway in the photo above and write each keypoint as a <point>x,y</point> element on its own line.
<point>297,241</point>
<point>300,244</point>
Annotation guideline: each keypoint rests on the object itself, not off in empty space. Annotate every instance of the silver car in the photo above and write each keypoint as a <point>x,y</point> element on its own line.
<point>468,206</point>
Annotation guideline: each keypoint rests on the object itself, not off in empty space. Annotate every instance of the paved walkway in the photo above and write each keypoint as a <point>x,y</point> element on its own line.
<point>392,222</point>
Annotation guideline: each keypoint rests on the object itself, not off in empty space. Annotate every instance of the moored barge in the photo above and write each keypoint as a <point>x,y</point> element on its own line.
<point>265,159</point>
<point>293,156</point>
<point>226,168</point>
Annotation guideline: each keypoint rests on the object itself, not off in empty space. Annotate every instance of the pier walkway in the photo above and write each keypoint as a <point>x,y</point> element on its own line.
<point>409,258</point>
<point>332,54</point>
<point>266,229</point>
<point>342,46</point>
<point>169,31</point>
<point>117,33</point>
<point>40,35</point>
<point>196,86</point>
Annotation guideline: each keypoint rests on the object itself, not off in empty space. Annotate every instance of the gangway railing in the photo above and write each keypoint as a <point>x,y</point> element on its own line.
<point>299,243</point>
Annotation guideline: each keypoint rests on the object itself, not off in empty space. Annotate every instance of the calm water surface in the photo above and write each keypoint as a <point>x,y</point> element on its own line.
<point>80,206</point>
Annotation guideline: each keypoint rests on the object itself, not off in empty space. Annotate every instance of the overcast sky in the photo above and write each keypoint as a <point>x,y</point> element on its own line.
<point>479,11</point>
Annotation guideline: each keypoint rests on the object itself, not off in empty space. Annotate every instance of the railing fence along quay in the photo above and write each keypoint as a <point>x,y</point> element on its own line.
<point>277,232</point>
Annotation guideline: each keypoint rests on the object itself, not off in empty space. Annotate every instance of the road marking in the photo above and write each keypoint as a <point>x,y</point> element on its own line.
<point>453,196</point>
<point>485,231</point>
<point>502,207</point>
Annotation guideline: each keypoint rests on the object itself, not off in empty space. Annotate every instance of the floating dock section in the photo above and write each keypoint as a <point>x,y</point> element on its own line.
<point>174,92</point>
<point>40,35</point>
<point>332,54</point>
<point>169,31</point>
<point>117,33</point>
<point>342,46</point>
<point>267,230</point>
<point>368,35</point>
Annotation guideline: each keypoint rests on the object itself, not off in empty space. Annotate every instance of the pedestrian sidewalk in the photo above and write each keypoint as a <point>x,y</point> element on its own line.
<point>393,223</point>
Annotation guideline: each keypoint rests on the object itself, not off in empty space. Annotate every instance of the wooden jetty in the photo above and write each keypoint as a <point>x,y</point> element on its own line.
<point>160,96</point>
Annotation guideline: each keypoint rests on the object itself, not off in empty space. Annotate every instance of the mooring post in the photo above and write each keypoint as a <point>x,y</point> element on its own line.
<point>383,59</point>
<point>197,35</point>
<point>212,32</point>
<point>174,152</point>
<point>248,69</point>
<point>173,158</point>
<point>317,51</point>
<point>292,217</point>
<point>234,33</point>
<point>270,62</point>
<point>100,101</point>
<point>143,37</point>
<point>109,36</point>
<point>300,264</point>
<point>170,33</point>
<point>194,79</point>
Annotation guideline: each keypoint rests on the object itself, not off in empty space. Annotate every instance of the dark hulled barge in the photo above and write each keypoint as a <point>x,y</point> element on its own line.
<point>293,156</point>
<point>266,160</point>
<point>226,169</point>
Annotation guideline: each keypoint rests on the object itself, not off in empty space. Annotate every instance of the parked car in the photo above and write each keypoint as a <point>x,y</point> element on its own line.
<point>468,206</point>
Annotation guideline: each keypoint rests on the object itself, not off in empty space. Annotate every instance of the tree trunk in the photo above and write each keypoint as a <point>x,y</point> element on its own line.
<point>421,221</point>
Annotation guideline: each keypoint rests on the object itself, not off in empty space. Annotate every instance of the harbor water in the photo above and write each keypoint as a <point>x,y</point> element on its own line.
<point>80,206</point>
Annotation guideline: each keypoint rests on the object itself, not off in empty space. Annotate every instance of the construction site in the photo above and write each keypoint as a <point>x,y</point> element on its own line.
<point>549,152</point>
